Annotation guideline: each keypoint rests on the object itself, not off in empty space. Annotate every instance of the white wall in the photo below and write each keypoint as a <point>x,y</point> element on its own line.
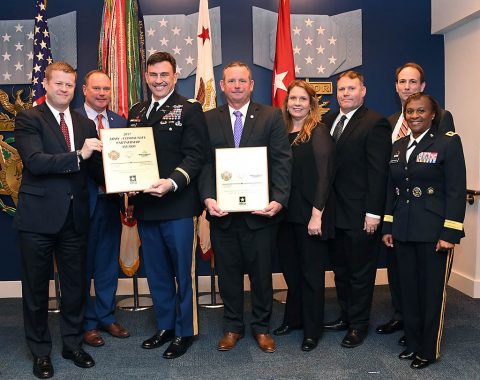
<point>459,21</point>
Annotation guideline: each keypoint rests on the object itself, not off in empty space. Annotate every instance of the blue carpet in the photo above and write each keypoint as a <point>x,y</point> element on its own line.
<point>375,359</point>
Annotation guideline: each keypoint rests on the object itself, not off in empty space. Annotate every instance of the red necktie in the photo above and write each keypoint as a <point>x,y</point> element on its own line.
<point>100,124</point>
<point>64,129</point>
<point>404,130</point>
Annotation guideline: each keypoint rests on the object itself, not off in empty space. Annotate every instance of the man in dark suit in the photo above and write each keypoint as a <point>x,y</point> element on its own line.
<point>242,241</point>
<point>167,211</point>
<point>105,225</point>
<point>56,146</point>
<point>410,79</point>
<point>363,147</point>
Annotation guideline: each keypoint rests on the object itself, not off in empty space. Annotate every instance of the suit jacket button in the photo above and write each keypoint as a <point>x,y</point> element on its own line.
<point>408,200</point>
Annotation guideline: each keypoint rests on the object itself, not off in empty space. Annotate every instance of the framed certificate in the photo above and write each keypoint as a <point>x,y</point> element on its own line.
<point>242,178</point>
<point>129,159</point>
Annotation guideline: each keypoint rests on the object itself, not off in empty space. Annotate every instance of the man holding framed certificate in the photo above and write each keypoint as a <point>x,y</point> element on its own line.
<point>242,238</point>
<point>167,210</point>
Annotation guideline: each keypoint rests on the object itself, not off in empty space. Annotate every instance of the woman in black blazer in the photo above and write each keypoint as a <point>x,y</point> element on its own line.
<point>302,241</point>
<point>423,219</point>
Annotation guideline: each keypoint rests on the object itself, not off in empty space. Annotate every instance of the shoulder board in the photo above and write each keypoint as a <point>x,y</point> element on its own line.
<point>193,100</point>
<point>450,133</point>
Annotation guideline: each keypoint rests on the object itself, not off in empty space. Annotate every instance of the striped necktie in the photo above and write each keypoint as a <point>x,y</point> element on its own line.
<point>404,130</point>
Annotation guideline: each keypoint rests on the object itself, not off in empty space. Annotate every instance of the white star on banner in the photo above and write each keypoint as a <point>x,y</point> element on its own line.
<point>151,31</point>
<point>30,56</point>
<point>163,23</point>
<point>308,41</point>
<point>18,66</point>
<point>39,18</point>
<point>164,41</point>
<point>320,49</point>
<point>320,30</point>
<point>176,50</point>
<point>18,28</point>
<point>320,69</point>
<point>176,31</point>
<point>296,31</point>
<point>189,60</point>
<point>332,60</point>
<point>45,33</point>
<point>279,82</point>
<point>7,76</point>
<point>308,22</point>
<point>309,60</point>
<point>297,69</point>
<point>18,46</point>
<point>296,50</point>
<point>179,70</point>
<point>43,45</point>
<point>188,40</point>
<point>39,56</point>
<point>30,35</point>
<point>6,56</point>
<point>6,37</point>
<point>332,40</point>
<point>151,51</point>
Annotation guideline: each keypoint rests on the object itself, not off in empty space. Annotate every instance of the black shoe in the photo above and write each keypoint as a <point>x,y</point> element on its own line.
<point>354,338</point>
<point>419,363</point>
<point>159,339</point>
<point>407,355</point>
<point>42,367</point>
<point>402,341</point>
<point>390,327</point>
<point>79,357</point>
<point>285,330</point>
<point>309,344</point>
<point>336,325</point>
<point>178,347</point>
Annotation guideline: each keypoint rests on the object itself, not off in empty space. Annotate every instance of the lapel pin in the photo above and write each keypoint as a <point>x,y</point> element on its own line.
<point>251,116</point>
<point>431,134</point>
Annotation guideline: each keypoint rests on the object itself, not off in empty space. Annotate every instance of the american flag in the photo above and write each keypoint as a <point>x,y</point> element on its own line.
<point>42,54</point>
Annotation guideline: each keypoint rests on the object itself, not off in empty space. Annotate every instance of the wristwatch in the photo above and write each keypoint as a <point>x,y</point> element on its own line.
<point>79,156</point>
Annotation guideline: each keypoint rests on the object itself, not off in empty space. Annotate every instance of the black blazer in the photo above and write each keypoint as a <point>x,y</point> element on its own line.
<point>263,127</point>
<point>51,176</point>
<point>426,196</point>
<point>312,180</point>
<point>446,121</point>
<point>180,135</point>
<point>363,150</point>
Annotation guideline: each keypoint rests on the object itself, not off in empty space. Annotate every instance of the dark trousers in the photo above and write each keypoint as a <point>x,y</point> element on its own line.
<point>393,281</point>
<point>102,263</point>
<point>423,277</point>
<point>169,256</point>
<point>37,262</point>
<point>302,259</point>
<point>354,261</point>
<point>240,250</point>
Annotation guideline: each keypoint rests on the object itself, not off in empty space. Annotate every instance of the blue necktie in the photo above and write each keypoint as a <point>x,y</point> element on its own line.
<point>237,128</point>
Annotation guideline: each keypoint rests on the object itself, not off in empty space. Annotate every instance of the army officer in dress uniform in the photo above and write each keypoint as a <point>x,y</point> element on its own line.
<point>423,221</point>
<point>167,211</point>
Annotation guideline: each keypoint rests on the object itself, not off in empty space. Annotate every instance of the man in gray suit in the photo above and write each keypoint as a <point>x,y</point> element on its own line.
<point>410,78</point>
<point>105,225</point>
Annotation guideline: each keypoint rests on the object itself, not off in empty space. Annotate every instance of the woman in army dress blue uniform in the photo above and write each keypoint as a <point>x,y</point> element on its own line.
<point>424,220</point>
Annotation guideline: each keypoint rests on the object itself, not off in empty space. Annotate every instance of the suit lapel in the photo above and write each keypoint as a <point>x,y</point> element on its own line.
<point>53,125</point>
<point>350,127</point>
<point>225,123</point>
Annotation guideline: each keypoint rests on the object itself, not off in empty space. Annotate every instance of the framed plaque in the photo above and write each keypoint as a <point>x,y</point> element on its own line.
<point>242,178</point>
<point>129,159</point>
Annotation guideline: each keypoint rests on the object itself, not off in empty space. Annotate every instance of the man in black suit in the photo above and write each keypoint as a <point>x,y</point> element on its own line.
<point>55,145</point>
<point>410,79</point>
<point>363,147</point>
<point>242,241</point>
<point>167,211</point>
<point>105,225</point>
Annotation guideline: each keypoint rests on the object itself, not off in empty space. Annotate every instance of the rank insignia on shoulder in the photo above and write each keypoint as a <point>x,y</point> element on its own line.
<point>193,100</point>
<point>451,133</point>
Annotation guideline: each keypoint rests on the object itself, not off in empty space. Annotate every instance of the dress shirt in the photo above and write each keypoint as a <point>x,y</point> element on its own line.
<point>68,120</point>
<point>93,115</point>
<point>160,102</point>
<point>410,142</point>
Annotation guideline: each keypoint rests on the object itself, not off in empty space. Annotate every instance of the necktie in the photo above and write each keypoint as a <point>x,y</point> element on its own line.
<point>64,129</point>
<point>153,111</point>
<point>404,130</point>
<point>100,123</point>
<point>237,128</point>
<point>339,128</point>
<point>410,149</point>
